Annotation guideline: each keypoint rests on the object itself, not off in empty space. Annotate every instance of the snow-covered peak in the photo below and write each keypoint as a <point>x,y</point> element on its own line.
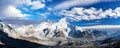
<point>63,20</point>
<point>62,24</point>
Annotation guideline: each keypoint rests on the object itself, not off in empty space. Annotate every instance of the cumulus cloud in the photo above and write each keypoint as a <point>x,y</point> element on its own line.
<point>35,4</point>
<point>78,13</point>
<point>71,3</point>
<point>13,12</point>
<point>10,8</point>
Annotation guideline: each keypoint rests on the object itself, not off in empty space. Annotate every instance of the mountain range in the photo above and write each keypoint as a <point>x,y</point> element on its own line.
<point>49,34</point>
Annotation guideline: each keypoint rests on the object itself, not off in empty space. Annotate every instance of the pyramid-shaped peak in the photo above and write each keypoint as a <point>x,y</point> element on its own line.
<point>63,20</point>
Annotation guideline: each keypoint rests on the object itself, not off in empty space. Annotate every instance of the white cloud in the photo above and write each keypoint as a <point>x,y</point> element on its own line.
<point>25,9</point>
<point>49,8</point>
<point>117,10</point>
<point>37,5</point>
<point>43,15</point>
<point>89,14</point>
<point>9,8</point>
<point>70,3</point>
<point>13,12</point>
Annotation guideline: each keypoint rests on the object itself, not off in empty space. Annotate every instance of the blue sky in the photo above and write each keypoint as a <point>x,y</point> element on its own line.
<point>76,12</point>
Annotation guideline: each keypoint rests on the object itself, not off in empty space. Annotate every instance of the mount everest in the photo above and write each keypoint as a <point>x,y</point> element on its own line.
<point>52,34</point>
